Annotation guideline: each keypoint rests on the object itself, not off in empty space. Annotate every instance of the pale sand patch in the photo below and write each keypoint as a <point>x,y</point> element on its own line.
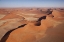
<point>1,16</point>
<point>14,19</point>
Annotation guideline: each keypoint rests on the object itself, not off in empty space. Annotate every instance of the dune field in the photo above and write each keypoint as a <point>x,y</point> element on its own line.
<point>32,25</point>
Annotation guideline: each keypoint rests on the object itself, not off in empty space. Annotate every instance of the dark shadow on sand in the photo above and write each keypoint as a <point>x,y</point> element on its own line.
<point>5,37</point>
<point>43,17</point>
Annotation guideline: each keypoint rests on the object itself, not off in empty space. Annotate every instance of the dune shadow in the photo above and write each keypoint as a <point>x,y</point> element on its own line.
<point>21,26</point>
<point>43,17</point>
<point>38,23</point>
<point>5,37</point>
<point>49,11</point>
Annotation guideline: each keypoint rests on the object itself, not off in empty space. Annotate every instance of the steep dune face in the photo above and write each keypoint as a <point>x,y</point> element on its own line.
<point>38,33</point>
<point>10,24</point>
<point>30,30</point>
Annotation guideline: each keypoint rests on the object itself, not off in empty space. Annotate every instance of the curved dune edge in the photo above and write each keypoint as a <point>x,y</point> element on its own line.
<point>32,33</point>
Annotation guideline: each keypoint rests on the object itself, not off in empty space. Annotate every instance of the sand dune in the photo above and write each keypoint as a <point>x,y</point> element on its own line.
<point>32,25</point>
<point>37,33</point>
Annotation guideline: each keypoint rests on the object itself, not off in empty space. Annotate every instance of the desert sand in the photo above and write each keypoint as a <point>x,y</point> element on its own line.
<point>32,25</point>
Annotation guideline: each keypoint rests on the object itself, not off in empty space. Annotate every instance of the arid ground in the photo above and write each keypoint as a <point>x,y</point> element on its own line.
<point>31,25</point>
